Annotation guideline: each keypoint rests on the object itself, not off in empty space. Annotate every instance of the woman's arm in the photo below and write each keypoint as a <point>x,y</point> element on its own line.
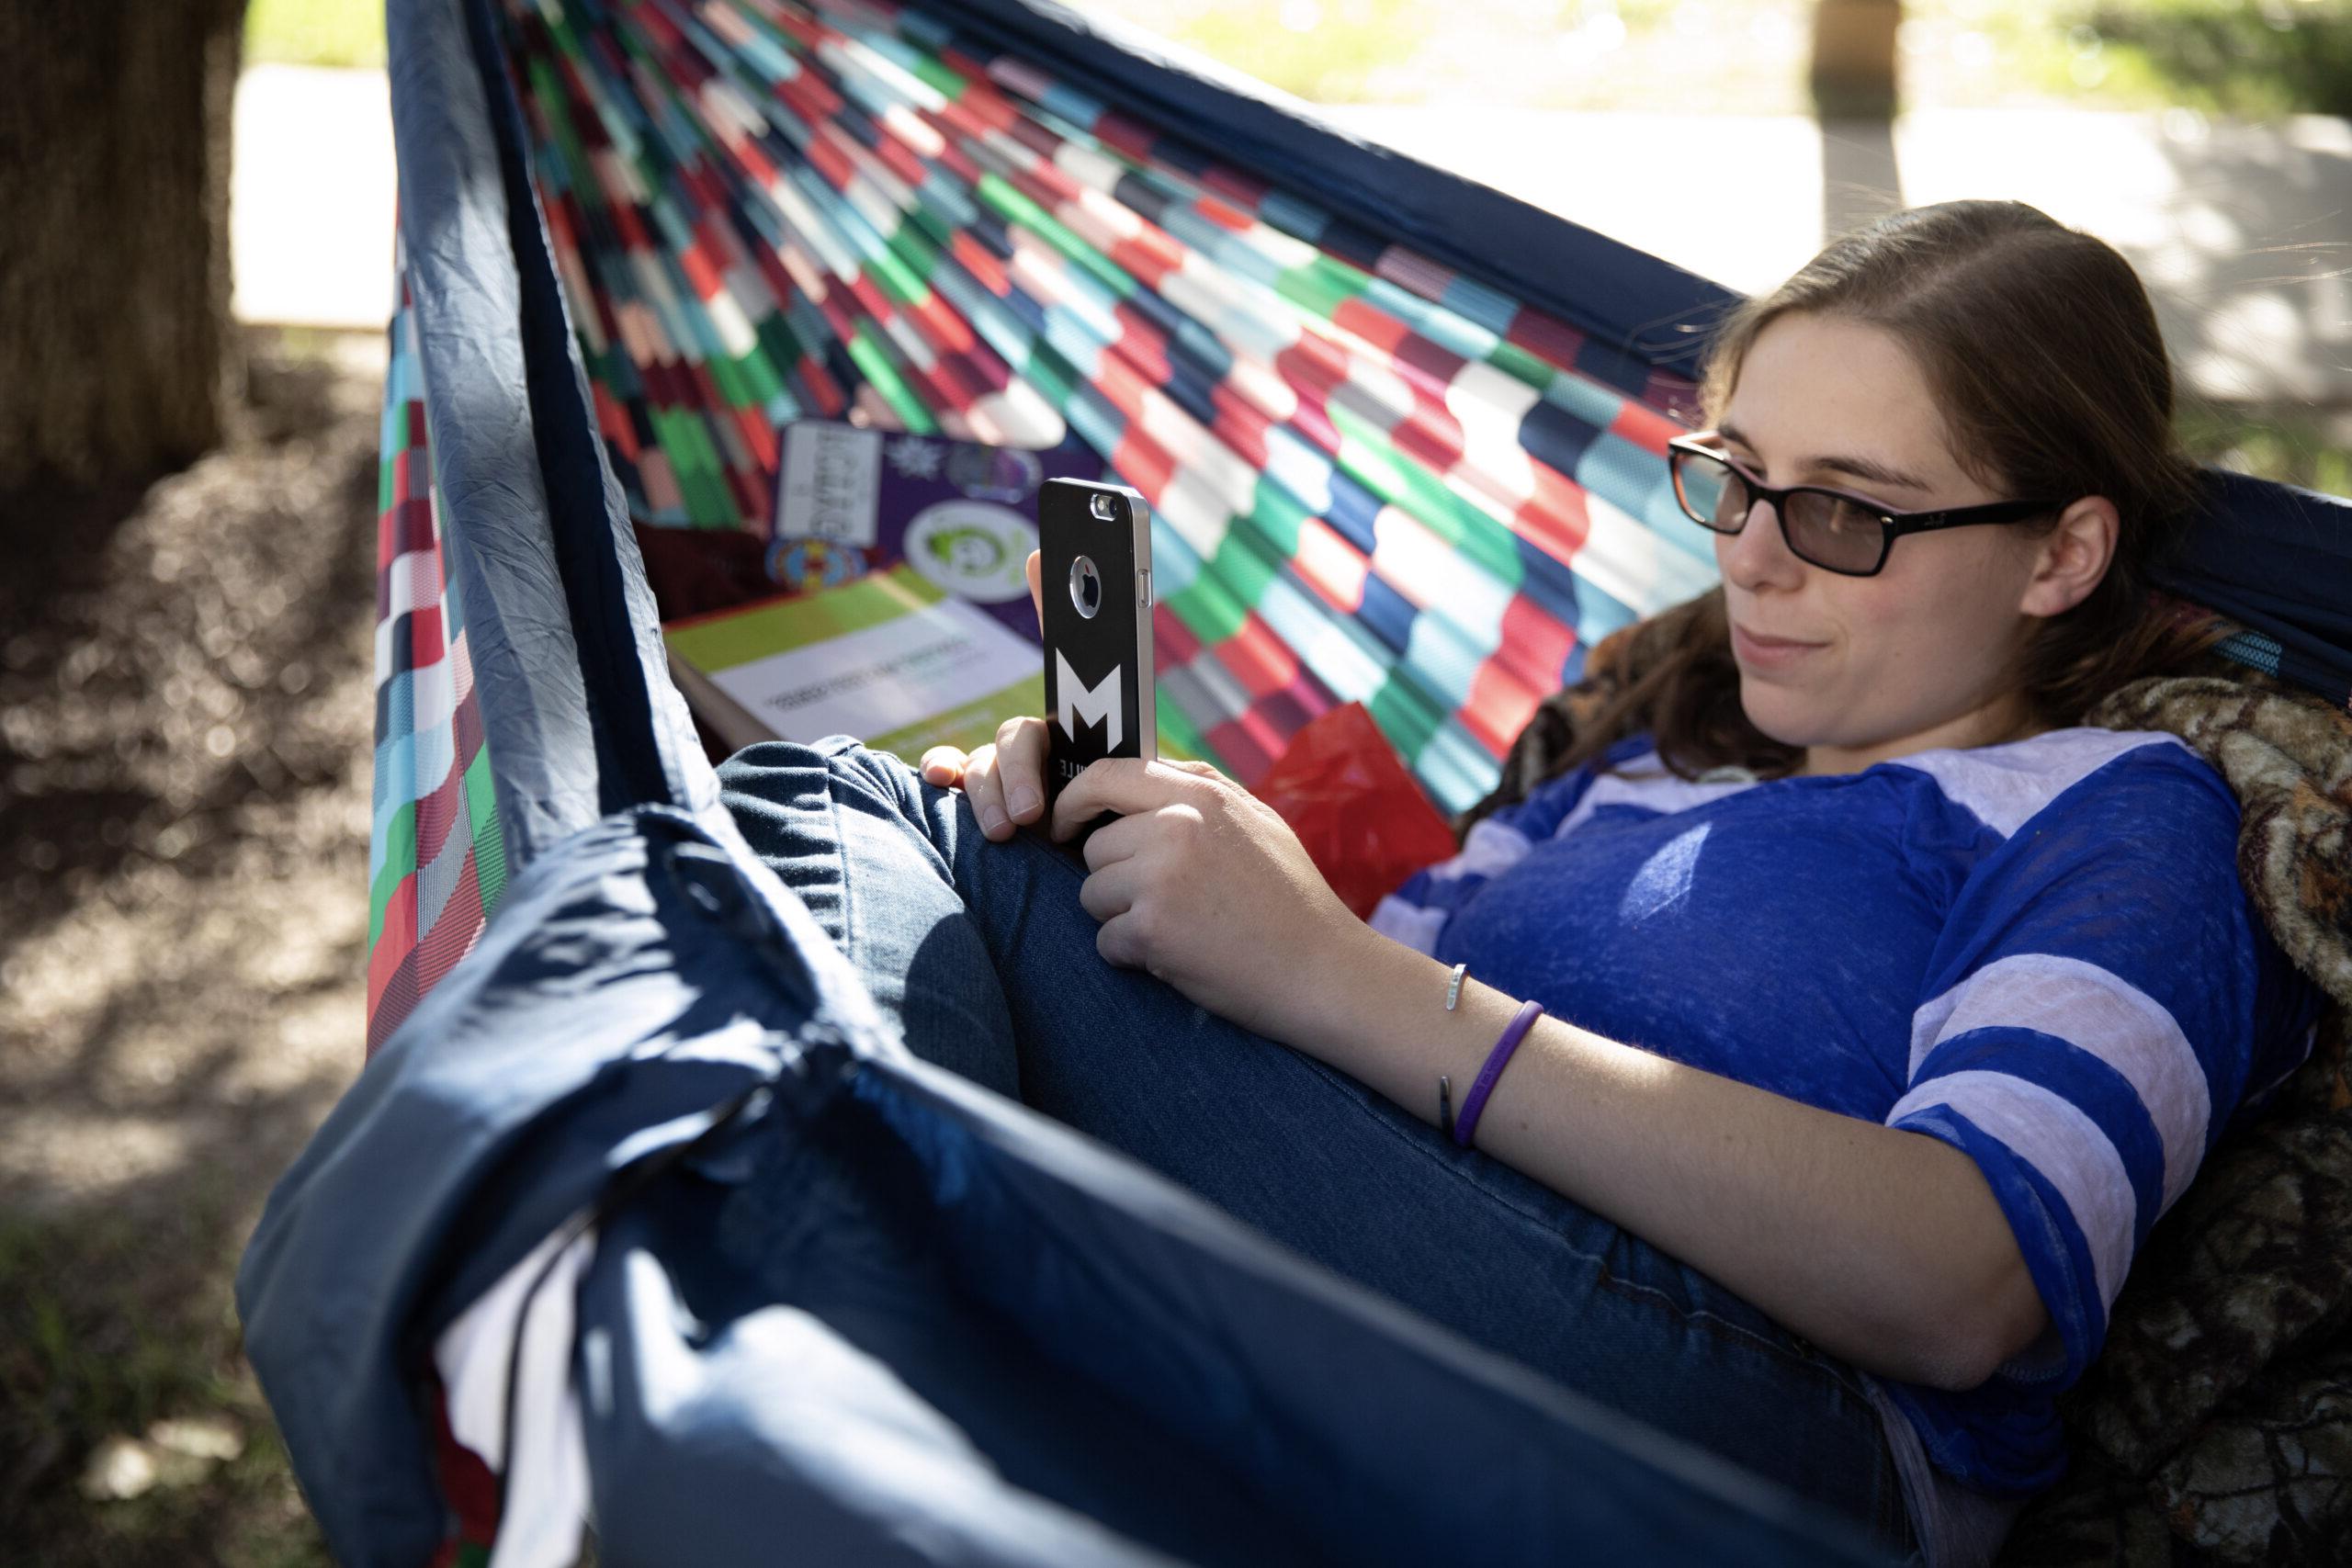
<point>1882,1247</point>
<point>1885,1247</point>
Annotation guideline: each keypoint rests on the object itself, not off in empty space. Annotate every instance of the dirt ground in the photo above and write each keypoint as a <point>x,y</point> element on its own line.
<point>186,706</point>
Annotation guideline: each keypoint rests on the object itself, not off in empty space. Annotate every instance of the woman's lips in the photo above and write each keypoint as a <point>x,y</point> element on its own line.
<point>1765,652</point>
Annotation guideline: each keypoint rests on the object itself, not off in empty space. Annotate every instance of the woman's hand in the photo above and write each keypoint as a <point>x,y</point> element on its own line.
<point>1204,885</point>
<point>1005,780</point>
<point>1199,882</point>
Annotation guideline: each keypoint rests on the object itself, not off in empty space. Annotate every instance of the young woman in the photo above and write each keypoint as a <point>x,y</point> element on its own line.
<point>1837,1019</point>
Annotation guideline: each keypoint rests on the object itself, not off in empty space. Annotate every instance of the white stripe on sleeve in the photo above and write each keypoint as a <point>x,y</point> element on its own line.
<point>1414,927</point>
<point>2005,786</point>
<point>2105,1015</point>
<point>2054,1135</point>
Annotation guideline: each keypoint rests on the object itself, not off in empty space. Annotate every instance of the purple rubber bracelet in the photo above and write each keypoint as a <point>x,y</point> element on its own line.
<point>1475,1100</point>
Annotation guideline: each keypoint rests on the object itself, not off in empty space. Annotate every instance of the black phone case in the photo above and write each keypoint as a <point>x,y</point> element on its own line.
<point>1098,675</point>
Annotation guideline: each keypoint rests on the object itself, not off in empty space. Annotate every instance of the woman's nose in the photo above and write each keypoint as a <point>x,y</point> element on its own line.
<point>1759,552</point>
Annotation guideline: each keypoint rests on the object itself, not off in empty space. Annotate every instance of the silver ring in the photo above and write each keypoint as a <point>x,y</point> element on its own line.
<point>1453,987</point>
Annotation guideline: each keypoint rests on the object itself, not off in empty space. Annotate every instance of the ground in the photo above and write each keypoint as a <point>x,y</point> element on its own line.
<point>185,707</point>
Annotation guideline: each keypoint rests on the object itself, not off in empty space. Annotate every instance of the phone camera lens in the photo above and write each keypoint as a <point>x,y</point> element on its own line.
<point>1105,508</point>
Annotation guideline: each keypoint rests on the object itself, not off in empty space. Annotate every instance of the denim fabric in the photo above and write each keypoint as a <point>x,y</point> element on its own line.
<point>982,956</point>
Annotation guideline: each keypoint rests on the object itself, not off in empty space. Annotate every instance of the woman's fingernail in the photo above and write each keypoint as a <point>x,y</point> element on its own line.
<point>992,820</point>
<point>1025,801</point>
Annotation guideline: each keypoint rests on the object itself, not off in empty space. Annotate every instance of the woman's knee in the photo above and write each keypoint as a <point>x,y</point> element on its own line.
<point>850,831</point>
<point>765,765</point>
<point>770,778</point>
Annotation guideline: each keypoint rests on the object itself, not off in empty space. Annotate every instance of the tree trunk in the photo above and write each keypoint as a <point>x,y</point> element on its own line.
<point>1852,74</point>
<point>117,356</point>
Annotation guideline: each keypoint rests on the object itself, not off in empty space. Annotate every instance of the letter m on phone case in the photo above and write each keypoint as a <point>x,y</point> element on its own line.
<point>1098,703</point>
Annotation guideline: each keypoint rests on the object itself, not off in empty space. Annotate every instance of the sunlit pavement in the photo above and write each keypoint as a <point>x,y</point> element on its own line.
<point>310,197</point>
<point>2242,232</point>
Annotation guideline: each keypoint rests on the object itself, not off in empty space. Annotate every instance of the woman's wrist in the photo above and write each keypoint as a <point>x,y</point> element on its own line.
<point>1316,1012</point>
<point>1299,988</point>
<point>1376,1012</point>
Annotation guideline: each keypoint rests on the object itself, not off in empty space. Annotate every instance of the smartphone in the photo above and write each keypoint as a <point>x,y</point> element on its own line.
<point>1095,545</point>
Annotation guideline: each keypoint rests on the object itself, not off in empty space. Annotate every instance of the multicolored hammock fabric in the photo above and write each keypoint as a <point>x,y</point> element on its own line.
<point>1374,479</point>
<point>1371,479</point>
<point>436,861</point>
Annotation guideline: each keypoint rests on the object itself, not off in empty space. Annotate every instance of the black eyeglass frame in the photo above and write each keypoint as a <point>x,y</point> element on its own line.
<point>1892,524</point>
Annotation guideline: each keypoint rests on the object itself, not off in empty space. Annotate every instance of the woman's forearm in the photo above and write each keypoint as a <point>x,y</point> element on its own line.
<point>1884,1247</point>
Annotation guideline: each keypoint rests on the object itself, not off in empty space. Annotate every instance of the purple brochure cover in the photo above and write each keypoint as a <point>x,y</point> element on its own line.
<point>964,513</point>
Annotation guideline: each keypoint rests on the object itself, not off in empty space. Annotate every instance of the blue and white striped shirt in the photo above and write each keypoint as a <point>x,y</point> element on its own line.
<point>2040,952</point>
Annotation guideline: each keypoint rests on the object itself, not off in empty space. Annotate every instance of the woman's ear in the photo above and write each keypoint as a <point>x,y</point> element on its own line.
<point>2070,560</point>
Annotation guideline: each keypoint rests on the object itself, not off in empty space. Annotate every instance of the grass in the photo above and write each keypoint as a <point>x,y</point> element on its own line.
<point>2251,58</point>
<point>2254,58</point>
<point>2255,61</point>
<point>348,33</point>
<point>2292,444</point>
<point>104,1331</point>
<point>1352,54</point>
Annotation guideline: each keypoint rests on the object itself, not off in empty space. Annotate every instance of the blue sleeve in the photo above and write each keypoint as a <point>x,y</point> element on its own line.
<point>2101,1000</point>
<point>1417,913</point>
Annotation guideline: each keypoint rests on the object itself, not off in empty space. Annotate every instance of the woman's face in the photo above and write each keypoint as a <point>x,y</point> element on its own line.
<point>1914,657</point>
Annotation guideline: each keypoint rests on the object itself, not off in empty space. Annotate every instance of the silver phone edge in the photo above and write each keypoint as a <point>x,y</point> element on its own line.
<point>1147,674</point>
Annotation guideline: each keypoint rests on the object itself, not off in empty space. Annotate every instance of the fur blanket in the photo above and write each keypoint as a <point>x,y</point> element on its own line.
<point>2217,1424</point>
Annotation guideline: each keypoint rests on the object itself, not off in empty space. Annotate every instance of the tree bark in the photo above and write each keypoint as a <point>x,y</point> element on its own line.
<point>1853,69</point>
<point>117,355</point>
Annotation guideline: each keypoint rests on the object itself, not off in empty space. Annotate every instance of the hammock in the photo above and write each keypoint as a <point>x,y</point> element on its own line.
<point>1404,442</point>
<point>1373,478</point>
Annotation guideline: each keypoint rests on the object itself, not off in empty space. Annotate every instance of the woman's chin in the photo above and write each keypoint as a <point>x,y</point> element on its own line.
<point>1790,723</point>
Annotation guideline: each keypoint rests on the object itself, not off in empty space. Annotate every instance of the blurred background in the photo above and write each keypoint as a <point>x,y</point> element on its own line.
<point>194,285</point>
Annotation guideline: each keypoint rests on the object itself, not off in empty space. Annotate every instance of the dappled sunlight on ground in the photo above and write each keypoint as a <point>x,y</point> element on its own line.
<point>185,714</point>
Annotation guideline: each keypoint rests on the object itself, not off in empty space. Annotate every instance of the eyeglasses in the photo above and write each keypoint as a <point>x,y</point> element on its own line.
<point>1834,529</point>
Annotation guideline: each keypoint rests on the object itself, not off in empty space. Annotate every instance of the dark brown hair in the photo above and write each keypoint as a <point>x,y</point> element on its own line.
<point>2043,353</point>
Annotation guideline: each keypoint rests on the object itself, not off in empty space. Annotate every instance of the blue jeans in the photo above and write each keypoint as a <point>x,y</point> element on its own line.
<point>983,957</point>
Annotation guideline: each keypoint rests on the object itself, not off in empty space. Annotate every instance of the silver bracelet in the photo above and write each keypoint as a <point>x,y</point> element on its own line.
<point>1444,1084</point>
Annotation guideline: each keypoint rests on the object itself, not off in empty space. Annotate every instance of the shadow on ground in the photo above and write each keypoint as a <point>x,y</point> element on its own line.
<point>185,709</point>
<point>2256,302</point>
